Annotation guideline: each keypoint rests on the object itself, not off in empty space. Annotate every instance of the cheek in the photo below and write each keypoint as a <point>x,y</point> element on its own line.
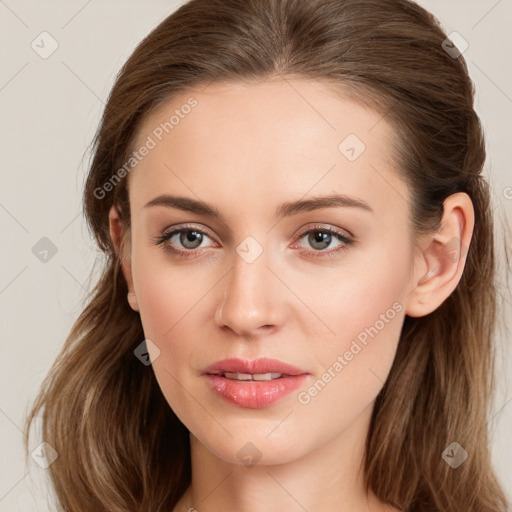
<point>166,292</point>
<point>366,311</point>
<point>365,284</point>
<point>169,302</point>
<point>372,300</point>
<point>160,308</point>
<point>172,301</point>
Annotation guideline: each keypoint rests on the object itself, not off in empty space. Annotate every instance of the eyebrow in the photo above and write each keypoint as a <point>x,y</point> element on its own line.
<point>284,210</point>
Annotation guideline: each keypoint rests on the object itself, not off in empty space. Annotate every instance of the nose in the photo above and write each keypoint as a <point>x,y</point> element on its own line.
<point>252,303</point>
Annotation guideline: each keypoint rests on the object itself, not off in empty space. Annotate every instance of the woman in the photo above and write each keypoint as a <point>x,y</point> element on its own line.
<point>297,308</point>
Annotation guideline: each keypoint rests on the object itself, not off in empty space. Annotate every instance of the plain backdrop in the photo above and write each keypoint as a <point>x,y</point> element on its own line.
<point>50,108</point>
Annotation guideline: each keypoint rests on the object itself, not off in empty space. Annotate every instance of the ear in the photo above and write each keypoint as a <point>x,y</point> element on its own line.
<point>442,257</point>
<point>122,250</point>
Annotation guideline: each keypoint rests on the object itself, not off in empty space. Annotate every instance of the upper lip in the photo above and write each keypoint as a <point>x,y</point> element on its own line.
<point>254,367</point>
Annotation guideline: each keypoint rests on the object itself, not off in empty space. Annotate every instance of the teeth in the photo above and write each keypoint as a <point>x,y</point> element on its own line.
<point>266,376</point>
<point>238,376</point>
<point>250,376</point>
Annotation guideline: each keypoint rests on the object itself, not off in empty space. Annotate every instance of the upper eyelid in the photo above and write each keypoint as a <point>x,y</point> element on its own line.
<point>315,227</point>
<point>174,230</point>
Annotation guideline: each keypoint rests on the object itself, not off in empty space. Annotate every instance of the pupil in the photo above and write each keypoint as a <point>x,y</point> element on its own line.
<point>191,237</point>
<point>322,238</point>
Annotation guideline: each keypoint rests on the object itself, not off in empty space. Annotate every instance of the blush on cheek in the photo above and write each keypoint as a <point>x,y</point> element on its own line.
<point>162,297</point>
<point>171,307</point>
<point>368,319</point>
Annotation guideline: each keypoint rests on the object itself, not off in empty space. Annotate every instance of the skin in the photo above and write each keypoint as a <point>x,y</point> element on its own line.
<point>246,149</point>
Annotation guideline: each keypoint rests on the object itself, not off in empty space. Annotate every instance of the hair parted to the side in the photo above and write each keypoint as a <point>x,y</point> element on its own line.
<point>120,445</point>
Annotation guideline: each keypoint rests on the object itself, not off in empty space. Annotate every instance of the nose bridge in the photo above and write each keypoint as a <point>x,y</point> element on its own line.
<point>250,298</point>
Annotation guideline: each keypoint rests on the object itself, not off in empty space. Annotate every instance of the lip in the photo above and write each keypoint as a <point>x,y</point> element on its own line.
<point>253,394</point>
<point>261,365</point>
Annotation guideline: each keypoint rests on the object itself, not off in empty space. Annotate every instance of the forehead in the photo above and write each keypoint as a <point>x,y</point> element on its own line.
<point>268,141</point>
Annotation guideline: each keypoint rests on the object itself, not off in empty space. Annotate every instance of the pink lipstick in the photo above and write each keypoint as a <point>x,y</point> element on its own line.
<point>253,384</point>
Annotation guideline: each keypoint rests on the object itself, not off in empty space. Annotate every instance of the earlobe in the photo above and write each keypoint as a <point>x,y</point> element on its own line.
<point>132,300</point>
<point>116,235</point>
<point>443,256</point>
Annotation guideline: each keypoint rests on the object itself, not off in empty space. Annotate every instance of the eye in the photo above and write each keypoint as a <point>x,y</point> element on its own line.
<point>185,240</point>
<point>182,241</point>
<point>319,238</point>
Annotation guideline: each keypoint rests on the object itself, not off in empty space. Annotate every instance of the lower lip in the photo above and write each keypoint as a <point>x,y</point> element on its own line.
<point>254,394</point>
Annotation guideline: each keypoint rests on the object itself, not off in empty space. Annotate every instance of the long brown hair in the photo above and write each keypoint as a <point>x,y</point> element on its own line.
<point>120,445</point>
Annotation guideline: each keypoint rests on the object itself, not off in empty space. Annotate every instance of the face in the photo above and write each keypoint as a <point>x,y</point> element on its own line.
<point>264,271</point>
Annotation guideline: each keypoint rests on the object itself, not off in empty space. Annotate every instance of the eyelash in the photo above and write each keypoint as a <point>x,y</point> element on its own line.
<point>169,249</point>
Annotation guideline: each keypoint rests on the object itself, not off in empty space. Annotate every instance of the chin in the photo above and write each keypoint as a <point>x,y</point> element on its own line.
<point>255,447</point>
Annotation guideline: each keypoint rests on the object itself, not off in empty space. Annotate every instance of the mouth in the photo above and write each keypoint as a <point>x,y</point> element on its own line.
<point>256,369</point>
<point>253,384</point>
<point>250,376</point>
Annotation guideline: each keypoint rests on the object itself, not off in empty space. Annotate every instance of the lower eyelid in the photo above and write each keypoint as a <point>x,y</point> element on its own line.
<point>171,234</point>
<point>162,239</point>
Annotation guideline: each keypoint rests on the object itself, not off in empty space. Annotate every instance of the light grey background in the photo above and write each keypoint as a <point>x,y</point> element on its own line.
<point>50,109</point>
